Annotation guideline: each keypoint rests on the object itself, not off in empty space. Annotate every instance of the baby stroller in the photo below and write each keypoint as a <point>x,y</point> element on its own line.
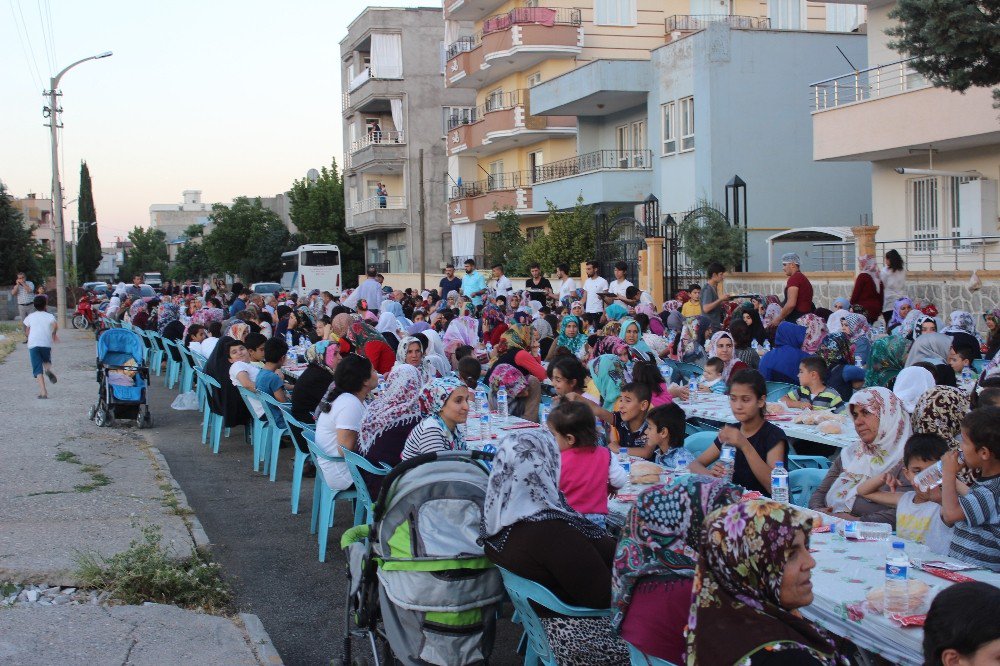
<point>418,569</point>
<point>123,377</point>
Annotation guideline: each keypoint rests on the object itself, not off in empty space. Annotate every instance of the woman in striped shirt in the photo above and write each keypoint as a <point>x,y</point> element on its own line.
<point>446,401</point>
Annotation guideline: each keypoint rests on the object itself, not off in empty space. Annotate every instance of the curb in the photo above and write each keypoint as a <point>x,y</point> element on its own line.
<point>198,534</point>
<point>259,640</point>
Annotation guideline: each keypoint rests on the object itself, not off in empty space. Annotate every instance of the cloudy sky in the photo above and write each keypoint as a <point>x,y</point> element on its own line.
<point>231,97</point>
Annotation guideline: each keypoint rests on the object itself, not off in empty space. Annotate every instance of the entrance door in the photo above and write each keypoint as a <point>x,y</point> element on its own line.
<point>638,140</point>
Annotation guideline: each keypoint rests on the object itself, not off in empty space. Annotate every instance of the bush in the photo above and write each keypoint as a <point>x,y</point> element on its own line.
<point>707,236</point>
<point>570,239</point>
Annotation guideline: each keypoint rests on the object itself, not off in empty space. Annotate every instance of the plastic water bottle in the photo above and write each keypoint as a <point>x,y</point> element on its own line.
<point>682,462</point>
<point>482,401</point>
<point>484,426</point>
<point>543,415</point>
<point>753,344</point>
<point>502,409</point>
<point>857,362</point>
<point>767,346</point>
<point>472,427</point>
<point>727,458</point>
<point>667,372</point>
<point>779,483</point>
<point>897,587</point>
<point>624,460</point>
<point>966,379</point>
<point>692,387</point>
<point>855,529</point>
<point>288,338</point>
<point>489,349</point>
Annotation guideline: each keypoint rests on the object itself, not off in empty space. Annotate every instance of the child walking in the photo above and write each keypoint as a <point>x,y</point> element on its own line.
<point>42,330</point>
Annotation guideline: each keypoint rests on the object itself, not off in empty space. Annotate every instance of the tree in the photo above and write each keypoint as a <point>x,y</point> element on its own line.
<point>956,43</point>
<point>194,231</point>
<point>707,236</point>
<point>570,239</point>
<point>506,246</point>
<point>148,253</point>
<point>18,249</point>
<point>247,240</point>
<point>191,262</point>
<point>88,244</point>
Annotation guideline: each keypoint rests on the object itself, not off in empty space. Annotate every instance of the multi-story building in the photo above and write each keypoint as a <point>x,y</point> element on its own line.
<point>393,108</point>
<point>173,219</point>
<point>934,154</point>
<point>37,212</point>
<point>598,58</point>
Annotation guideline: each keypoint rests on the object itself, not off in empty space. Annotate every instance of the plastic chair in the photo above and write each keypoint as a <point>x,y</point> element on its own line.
<point>327,495</point>
<point>212,422</point>
<point>796,461</point>
<point>173,366</point>
<point>298,465</point>
<point>522,593</point>
<point>687,370</point>
<point>691,429</point>
<point>187,368</point>
<point>275,431</point>
<point>638,658</point>
<point>697,443</point>
<point>777,389</point>
<point>259,430</point>
<point>802,483</point>
<point>156,350</point>
<point>978,365</point>
<point>199,360</point>
<point>356,463</point>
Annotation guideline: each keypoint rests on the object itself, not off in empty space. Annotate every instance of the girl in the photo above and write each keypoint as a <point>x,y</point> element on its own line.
<point>446,400</point>
<point>569,375</point>
<point>665,431</point>
<point>587,470</point>
<point>340,414</point>
<point>758,444</point>
<point>649,374</point>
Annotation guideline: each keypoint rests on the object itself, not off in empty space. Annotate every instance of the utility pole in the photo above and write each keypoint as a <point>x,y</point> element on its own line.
<point>423,227</point>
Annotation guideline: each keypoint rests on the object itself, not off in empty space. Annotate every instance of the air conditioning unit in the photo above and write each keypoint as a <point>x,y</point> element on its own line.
<point>977,209</point>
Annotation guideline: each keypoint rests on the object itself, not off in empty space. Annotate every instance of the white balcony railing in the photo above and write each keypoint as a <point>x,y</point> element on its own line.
<point>866,84</point>
<point>378,203</point>
<point>380,137</point>
<point>365,74</point>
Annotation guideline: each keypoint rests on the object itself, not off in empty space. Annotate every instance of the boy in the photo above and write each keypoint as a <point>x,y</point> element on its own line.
<point>692,308</point>
<point>918,513</point>
<point>469,371</point>
<point>268,381</point>
<point>254,343</point>
<point>42,331</point>
<point>975,511</point>
<point>627,424</point>
<point>665,428</point>
<point>812,392</point>
<point>961,356</point>
<point>711,380</point>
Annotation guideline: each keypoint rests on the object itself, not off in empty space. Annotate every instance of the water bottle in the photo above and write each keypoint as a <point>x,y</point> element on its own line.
<point>682,462</point>
<point>667,372</point>
<point>624,460</point>
<point>544,413</point>
<point>692,387</point>
<point>857,362</point>
<point>472,427</point>
<point>727,458</point>
<point>753,344</point>
<point>855,529</point>
<point>489,349</point>
<point>288,338</point>
<point>897,587</point>
<point>502,409</point>
<point>484,426</point>
<point>779,483</point>
<point>482,400</point>
<point>767,346</point>
<point>966,380</point>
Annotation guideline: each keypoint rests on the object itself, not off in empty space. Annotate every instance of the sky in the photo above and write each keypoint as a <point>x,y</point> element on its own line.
<point>228,97</point>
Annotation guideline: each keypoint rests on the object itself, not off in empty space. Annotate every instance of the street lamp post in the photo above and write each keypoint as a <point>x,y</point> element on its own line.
<point>57,203</point>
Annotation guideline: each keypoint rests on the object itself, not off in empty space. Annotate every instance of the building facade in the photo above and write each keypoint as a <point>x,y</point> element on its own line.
<point>173,219</point>
<point>393,111</point>
<point>37,212</point>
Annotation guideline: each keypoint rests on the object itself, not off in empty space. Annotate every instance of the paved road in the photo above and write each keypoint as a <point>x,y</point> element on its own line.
<point>266,552</point>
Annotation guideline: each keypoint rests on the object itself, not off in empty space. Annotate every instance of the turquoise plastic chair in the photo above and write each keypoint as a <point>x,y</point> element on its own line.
<point>156,350</point>
<point>691,429</point>
<point>802,483</point>
<point>777,389</point>
<point>258,429</point>
<point>522,593</point>
<point>327,495</point>
<point>638,658</point>
<point>199,360</point>
<point>187,368</point>
<point>298,465</point>
<point>356,463</point>
<point>211,424</point>
<point>688,369</point>
<point>978,365</point>
<point>173,367</point>
<point>796,461</point>
<point>699,441</point>
<point>274,432</point>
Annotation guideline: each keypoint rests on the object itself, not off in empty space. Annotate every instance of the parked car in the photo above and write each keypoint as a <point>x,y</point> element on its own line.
<point>267,288</point>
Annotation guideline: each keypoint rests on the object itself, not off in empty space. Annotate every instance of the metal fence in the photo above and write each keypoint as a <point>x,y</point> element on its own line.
<point>498,181</point>
<point>378,203</point>
<point>865,84</point>
<point>688,22</point>
<point>519,16</point>
<point>372,138</point>
<point>596,160</point>
<point>938,253</point>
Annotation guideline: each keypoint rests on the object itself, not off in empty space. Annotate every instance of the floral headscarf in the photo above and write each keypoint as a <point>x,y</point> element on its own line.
<point>612,329</point>
<point>897,318</point>
<point>463,330</point>
<point>397,404</point>
<point>862,461</point>
<point>771,313</point>
<point>317,355</point>
<point>509,378</point>
<point>670,306</point>
<point>835,349</point>
<point>609,375</point>
<point>909,324</point>
<point>887,359</point>
<point>940,411</point>
<point>692,344</point>
<point>524,487</point>
<point>138,304</point>
<point>869,265</point>
<point>237,330</point>
<point>492,315</point>
<point>663,533</point>
<point>611,344</point>
<point>578,343</point>
<point>432,399</point>
<point>517,336</point>
<point>962,322</point>
<point>815,331</point>
<point>305,316</point>
<point>737,588</point>
<point>360,333</point>
<point>167,314</point>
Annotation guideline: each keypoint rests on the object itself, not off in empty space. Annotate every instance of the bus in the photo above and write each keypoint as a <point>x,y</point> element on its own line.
<point>314,266</point>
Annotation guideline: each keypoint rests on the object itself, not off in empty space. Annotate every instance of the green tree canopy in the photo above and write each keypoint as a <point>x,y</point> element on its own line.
<point>707,236</point>
<point>148,253</point>
<point>18,249</point>
<point>194,231</point>
<point>191,262</point>
<point>506,246</point>
<point>88,248</point>
<point>247,240</point>
<point>570,239</point>
<point>317,210</point>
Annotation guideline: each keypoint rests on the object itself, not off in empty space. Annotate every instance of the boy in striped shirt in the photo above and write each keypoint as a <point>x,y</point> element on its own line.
<point>812,393</point>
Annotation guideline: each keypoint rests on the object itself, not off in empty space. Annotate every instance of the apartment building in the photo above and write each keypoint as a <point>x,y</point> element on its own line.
<point>393,101</point>
<point>37,211</point>
<point>173,219</point>
<point>499,148</point>
<point>934,154</point>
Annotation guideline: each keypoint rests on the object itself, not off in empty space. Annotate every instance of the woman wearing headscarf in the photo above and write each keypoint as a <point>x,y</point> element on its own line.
<point>888,358</point>
<point>389,420</point>
<point>835,350</point>
<point>743,343</point>
<point>615,312</point>
<point>511,380</point>
<point>748,313</point>
<point>388,326</point>
<point>570,337</point>
<point>883,426</point>
<point>516,348</point>
<point>781,364</point>
<point>226,401</point>
<point>723,347</point>
<point>656,325</point>
<point>753,575</point>
<point>962,328</point>
<point>672,317</point>
<point>992,319</point>
<point>654,564</point>
<point>445,401</point>
<point>911,383</point>
<point>169,326</point>
<point>939,411</point>
<point>314,382</point>
<point>860,333</point>
<point>631,333</point>
<point>283,313</point>
<point>930,347</point>
<point>815,331</point>
<point>369,343</point>
<point>608,373</point>
<point>691,348</point>
<point>834,321</point>
<point>434,354</point>
<point>901,309</point>
<point>397,311</point>
<point>868,287</point>
<point>909,325</point>
<point>494,324</point>
<point>461,331</point>
<point>530,530</point>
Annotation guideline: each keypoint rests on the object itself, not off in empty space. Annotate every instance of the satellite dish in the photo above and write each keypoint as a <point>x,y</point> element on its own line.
<point>312,175</point>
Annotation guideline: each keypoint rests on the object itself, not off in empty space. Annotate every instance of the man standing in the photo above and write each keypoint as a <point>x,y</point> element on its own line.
<point>539,288</point>
<point>620,285</point>
<point>592,286</point>
<point>711,298</point>
<point>24,292</point>
<point>503,285</point>
<point>798,291</point>
<point>370,290</point>
<point>473,283</point>
<point>41,327</point>
<point>133,289</point>
<point>567,290</point>
<point>239,303</point>
<point>328,304</point>
<point>449,282</point>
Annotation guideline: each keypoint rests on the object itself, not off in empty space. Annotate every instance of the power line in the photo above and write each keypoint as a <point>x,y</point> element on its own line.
<point>27,36</point>
<point>36,78</point>
<point>52,34</point>
<point>45,39</point>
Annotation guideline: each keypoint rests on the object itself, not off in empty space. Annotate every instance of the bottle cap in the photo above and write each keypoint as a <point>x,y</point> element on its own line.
<point>778,464</point>
<point>898,544</point>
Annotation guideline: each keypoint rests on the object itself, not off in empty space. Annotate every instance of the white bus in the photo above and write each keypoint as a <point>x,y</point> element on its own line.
<point>314,266</point>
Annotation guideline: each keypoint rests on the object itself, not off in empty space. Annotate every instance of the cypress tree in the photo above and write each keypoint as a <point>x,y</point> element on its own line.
<point>88,249</point>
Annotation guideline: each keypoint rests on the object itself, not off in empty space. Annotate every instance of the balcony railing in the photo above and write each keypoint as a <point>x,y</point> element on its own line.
<point>378,203</point>
<point>871,83</point>
<point>510,180</point>
<point>380,137</point>
<point>366,74</point>
<point>598,160</point>
<point>519,16</point>
<point>691,22</point>
<point>930,253</point>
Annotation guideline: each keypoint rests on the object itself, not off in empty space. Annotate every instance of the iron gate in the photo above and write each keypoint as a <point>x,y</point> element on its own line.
<point>620,239</point>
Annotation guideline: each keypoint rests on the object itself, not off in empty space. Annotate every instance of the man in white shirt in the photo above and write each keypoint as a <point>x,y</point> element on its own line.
<point>24,292</point>
<point>619,287</point>
<point>503,286</point>
<point>567,290</point>
<point>42,330</point>
<point>370,290</point>
<point>592,286</point>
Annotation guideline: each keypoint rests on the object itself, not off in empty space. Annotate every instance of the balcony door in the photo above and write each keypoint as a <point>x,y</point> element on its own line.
<point>496,176</point>
<point>630,140</point>
<point>710,7</point>
<point>535,164</point>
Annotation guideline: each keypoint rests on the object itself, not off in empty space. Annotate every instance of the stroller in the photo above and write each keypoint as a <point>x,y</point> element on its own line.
<point>123,378</point>
<point>418,569</point>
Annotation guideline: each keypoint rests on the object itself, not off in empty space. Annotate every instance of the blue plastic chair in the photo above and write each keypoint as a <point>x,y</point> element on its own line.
<point>156,350</point>
<point>522,593</point>
<point>211,424</point>
<point>699,441</point>
<point>638,658</point>
<point>258,429</point>
<point>298,465</point>
<point>796,461</point>
<point>691,429</point>
<point>802,483</point>
<point>327,495</point>
<point>173,366</point>
<point>356,463</point>
<point>275,431</point>
<point>199,360</point>
<point>777,389</point>
<point>688,370</point>
<point>187,368</point>
<point>978,365</point>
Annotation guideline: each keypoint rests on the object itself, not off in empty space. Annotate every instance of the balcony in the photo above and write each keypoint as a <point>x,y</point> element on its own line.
<point>885,111</point>
<point>376,149</point>
<point>599,88</point>
<point>503,122</point>
<point>600,176</point>
<point>469,10</point>
<point>511,42</point>
<point>688,23</point>
<point>378,214</point>
<point>476,201</point>
<point>368,92</point>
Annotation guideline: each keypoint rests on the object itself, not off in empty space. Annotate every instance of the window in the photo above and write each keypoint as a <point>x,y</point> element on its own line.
<point>534,79</point>
<point>535,162</point>
<point>844,18</point>
<point>494,101</point>
<point>933,209</point>
<point>687,123</point>
<point>669,127</point>
<point>496,181</point>
<point>615,12</point>
<point>320,258</point>
<point>453,116</point>
<point>531,233</point>
<point>786,14</point>
<point>443,56</point>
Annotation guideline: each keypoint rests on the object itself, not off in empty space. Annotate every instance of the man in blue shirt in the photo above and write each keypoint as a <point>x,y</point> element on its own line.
<point>240,304</point>
<point>449,282</point>
<point>473,283</point>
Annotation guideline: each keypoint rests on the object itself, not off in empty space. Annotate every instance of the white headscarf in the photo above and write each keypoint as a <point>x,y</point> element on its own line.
<point>387,323</point>
<point>833,322</point>
<point>930,347</point>
<point>912,383</point>
<point>435,352</point>
<point>862,461</point>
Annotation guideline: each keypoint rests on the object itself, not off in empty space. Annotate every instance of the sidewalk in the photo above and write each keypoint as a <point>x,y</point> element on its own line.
<point>67,486</point>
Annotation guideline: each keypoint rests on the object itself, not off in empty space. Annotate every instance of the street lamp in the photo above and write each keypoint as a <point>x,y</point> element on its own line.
<point>52,113</point>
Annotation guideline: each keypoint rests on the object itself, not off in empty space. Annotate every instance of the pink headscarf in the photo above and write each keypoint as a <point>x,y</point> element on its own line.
<point>815,332</point>
<point>868,264</point>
